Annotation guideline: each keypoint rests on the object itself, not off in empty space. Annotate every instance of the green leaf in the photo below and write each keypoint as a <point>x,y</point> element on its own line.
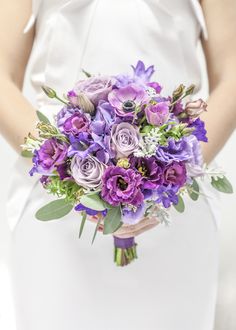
<point>54,210</point>
<point>112,220</point>
<point>96,230</point>
<point>42,117</point>
<point>26,154</point>
<point>84,217</point>
<point>180,207</point>
<point>93,201</point>
<point>222,185</point>
<point>194,191</point>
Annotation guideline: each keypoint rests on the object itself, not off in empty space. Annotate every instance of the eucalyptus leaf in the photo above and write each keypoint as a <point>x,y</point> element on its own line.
<point>112,220</point>
<point>54,210</point>
<point>180,207</point>
<point>84,217</point>
<point>194,191</point>
<point>93,201</point>
<point>42,117</point>
<point>222,185</point>
<point>26,154</point>
<point>96,230</point>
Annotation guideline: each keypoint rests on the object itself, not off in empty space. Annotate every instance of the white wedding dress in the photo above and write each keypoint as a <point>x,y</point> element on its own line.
<point>61,282</point>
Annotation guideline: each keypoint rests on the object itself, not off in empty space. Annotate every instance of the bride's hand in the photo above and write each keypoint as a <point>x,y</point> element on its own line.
<point>126,231</point>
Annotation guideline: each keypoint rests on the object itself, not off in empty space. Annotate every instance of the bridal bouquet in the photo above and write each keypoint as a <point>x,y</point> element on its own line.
<point>120,151</point>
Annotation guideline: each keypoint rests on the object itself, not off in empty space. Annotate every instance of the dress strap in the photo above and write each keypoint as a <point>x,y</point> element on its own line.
<point>197,8</point>
<point>35,9</point>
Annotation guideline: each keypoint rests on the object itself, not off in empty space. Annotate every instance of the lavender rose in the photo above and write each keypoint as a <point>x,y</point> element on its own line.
<point>175,174</point>
<point>157,114</point>
<point>122,186</point>
<point>51,154</point>
<point>87,172</point>
<point>124,139</point>
<point>95,88</point>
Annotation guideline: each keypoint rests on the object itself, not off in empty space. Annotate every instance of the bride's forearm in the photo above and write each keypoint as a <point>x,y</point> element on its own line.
<point>16,113</point>
<point>220,118</point>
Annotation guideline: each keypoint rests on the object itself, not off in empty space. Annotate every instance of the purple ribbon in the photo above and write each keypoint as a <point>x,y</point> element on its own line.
<point>124,243</point>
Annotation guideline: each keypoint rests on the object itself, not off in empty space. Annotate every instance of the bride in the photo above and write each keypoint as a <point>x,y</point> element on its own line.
<point>60,282</point>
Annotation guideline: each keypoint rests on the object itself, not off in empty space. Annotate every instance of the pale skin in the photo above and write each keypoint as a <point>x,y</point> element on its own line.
<point>220,52</point>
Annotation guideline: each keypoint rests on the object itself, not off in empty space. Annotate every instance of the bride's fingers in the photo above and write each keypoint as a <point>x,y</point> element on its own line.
<point>134,230</point>
<point>137,232</point>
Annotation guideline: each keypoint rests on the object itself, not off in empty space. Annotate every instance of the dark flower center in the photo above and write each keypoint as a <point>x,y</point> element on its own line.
<point>129,106</point>
<point>122,184</point>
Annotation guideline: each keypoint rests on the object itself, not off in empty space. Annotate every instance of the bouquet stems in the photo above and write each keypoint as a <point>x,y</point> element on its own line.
<point>124,250</point>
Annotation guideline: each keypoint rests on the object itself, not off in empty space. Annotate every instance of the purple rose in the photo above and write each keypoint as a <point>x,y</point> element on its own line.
<point>175,174</point>
<point>75,124</point>
<point>124,139</point>
<point>157,114</point>
<point>95,88</point>
<point>51,154</point>
<point>87,172</point>
<point>122,186</point>
<point>151,170</point>
<point>126,99</point>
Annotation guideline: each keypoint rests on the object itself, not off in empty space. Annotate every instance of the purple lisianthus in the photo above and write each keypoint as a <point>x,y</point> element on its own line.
<point>131,216</point>
<point>51,154</point>
<point>125,100</point>
<point>175,151</point>
<point>200,131</point>
<point>167,195</point>
<point>122,186</point>
<point>124,139</point>
<point>157,114</point>
<point>104,118</point>
<point>87,172</point>
<point>63,171</point>
<point>175,174</point>
<point>64,114</point>
<point>150,169</point>
<point>95,88</point>
<point>178,108</point>
<point>194,109</point>
<point>81,207</point>
<point>75,124</point>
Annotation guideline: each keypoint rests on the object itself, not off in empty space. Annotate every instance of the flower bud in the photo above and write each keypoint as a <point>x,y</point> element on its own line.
<point>178,92</point>
<point>49,92</point>
<point>195,108</point>
<point>190,90</point>
<point>85,104</point>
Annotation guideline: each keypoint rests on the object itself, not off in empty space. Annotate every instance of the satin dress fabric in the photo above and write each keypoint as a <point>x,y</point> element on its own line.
<point>61,282</point>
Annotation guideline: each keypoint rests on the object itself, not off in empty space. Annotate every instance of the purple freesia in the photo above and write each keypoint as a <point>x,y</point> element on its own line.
<point>122,186</point>
<point>141,74</point>
<point>167,195</point>
<point>151,170</point>
<point>200,131</point>
<point>84,145</point>
<point>104,118</point>
<point>125,100</point>
<point>51,154</point>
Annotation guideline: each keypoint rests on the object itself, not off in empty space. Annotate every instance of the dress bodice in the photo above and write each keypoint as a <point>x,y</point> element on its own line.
<point>106,36</point>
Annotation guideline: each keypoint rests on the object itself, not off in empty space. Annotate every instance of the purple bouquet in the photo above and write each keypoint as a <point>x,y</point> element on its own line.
<point>120,152</point>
